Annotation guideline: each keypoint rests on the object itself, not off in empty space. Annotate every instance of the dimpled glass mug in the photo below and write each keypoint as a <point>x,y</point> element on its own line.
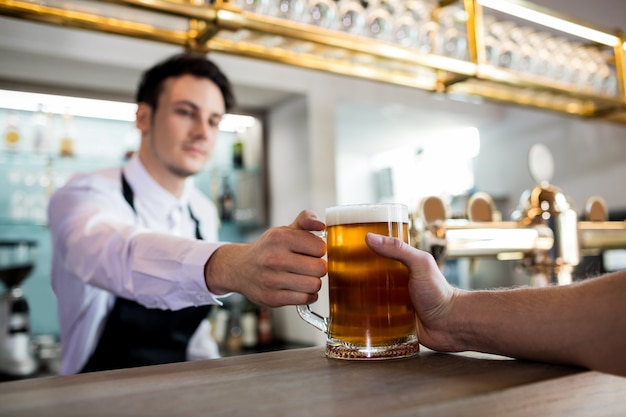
<point>371,315</point>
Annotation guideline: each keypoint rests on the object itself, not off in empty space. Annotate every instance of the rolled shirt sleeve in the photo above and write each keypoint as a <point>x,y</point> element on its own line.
<point>96,237</point>
<point>168,272</point>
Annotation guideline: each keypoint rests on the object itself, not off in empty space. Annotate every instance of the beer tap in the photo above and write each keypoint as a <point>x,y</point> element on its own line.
<point>544,234</point>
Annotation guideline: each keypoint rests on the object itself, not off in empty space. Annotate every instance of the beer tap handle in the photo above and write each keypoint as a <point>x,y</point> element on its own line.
<point>434,212</point>
<point>596,209</point>
<point>481,208</point>
<point>540,164</point>
<point>433,209</point>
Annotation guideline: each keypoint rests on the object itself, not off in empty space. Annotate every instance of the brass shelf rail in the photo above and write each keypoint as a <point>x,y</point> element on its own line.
<point>225,27</point>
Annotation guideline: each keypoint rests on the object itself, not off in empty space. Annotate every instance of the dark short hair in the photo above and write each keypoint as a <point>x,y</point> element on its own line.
<point>151,83</point>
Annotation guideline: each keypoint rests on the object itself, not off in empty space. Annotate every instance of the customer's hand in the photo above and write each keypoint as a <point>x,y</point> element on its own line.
<point>283,267</point>
<point>432,296</point>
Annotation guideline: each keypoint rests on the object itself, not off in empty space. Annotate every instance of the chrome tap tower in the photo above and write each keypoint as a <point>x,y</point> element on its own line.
<point>544,234</point>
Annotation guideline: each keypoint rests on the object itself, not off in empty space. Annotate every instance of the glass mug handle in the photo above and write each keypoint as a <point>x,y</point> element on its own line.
<point>305,312</point>
<point>314,319</point>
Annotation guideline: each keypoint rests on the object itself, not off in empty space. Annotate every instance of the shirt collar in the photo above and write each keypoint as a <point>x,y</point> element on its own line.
<point>152,195</point>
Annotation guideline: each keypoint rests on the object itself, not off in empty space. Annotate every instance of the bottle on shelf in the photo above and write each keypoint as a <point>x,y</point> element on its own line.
<point>50,131</point>
<point>40,140</point>
<point>265,326</point>
<point>12,132</point>
<point>66,144</point>
<point>220,318</point>
<point>234,337</point>
<point>249,325</point>
<point>226,201</point>
<point>238,161</point>
<point>236,305</point>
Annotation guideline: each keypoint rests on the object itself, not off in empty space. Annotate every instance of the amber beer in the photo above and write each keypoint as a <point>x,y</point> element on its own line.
<point>371,315</point>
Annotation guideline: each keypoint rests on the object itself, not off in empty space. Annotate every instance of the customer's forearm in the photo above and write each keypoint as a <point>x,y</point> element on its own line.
<point>583,324</point>
<point>521,323</point>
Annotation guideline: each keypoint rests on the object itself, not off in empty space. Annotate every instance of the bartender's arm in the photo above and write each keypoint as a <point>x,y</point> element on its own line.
<point>282,267</point>
<point>582,324</point>
<point>95,234</point>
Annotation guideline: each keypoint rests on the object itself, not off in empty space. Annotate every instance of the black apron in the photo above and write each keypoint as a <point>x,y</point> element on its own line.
<point>135,335</point>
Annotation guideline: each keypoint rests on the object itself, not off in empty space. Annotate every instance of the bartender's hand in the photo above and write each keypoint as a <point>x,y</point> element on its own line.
<point>283,267</point>
<point>432,296</point>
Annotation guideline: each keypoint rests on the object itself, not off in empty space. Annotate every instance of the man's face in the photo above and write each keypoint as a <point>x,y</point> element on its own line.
<point>179,137</point>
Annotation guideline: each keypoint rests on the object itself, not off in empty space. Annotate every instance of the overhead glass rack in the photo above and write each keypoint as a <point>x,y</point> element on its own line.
<point>510,51</point>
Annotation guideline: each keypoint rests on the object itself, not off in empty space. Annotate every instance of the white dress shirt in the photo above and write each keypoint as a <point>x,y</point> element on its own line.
<point>102,249</point>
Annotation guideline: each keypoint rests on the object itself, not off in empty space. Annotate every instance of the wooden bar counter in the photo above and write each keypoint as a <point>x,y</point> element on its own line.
<point>302,382</point>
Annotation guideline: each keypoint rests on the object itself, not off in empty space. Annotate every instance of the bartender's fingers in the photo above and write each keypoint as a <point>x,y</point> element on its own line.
<point>292,242</point>
<point>289,296</point>
<point>305,265</point>
<point>307,220</point>
<point>275,289</point>
<point>271,261</point>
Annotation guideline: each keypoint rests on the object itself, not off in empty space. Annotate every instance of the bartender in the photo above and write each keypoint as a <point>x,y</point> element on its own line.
<point>136,260</point>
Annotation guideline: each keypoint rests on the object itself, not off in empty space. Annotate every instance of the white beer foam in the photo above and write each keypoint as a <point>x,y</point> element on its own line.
<point>367,213</point>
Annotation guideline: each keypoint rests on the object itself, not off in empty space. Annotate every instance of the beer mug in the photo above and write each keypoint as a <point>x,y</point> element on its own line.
<point>371,315</point>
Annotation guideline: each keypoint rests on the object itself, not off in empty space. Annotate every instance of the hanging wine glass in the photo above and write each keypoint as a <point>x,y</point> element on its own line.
<point>427,37</point>
<point>351,16</point>
<point>406,30</point>
<point>603,80</point>
<point>453,32</point>
<point>255,6</point>
<point>322,13</point>
<point>288,9</point>
<point>379,21</point>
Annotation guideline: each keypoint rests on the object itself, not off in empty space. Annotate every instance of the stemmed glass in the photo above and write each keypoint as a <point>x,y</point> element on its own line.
<point>288,9</point>
<point>351,16</point>
<point>322,13</point>
<point>379,21</point>
<point>452,39</point>
<point>255,6</point>
<point>406,27</point>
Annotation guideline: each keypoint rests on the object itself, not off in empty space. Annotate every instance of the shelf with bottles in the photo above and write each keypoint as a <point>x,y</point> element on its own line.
<point>59,134</point>
<point>35,160</point>
<point>240,326</point>
<point>235,180</point>
<point>41,150</point>
<point>30,179</point>
<point>239,196</point>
